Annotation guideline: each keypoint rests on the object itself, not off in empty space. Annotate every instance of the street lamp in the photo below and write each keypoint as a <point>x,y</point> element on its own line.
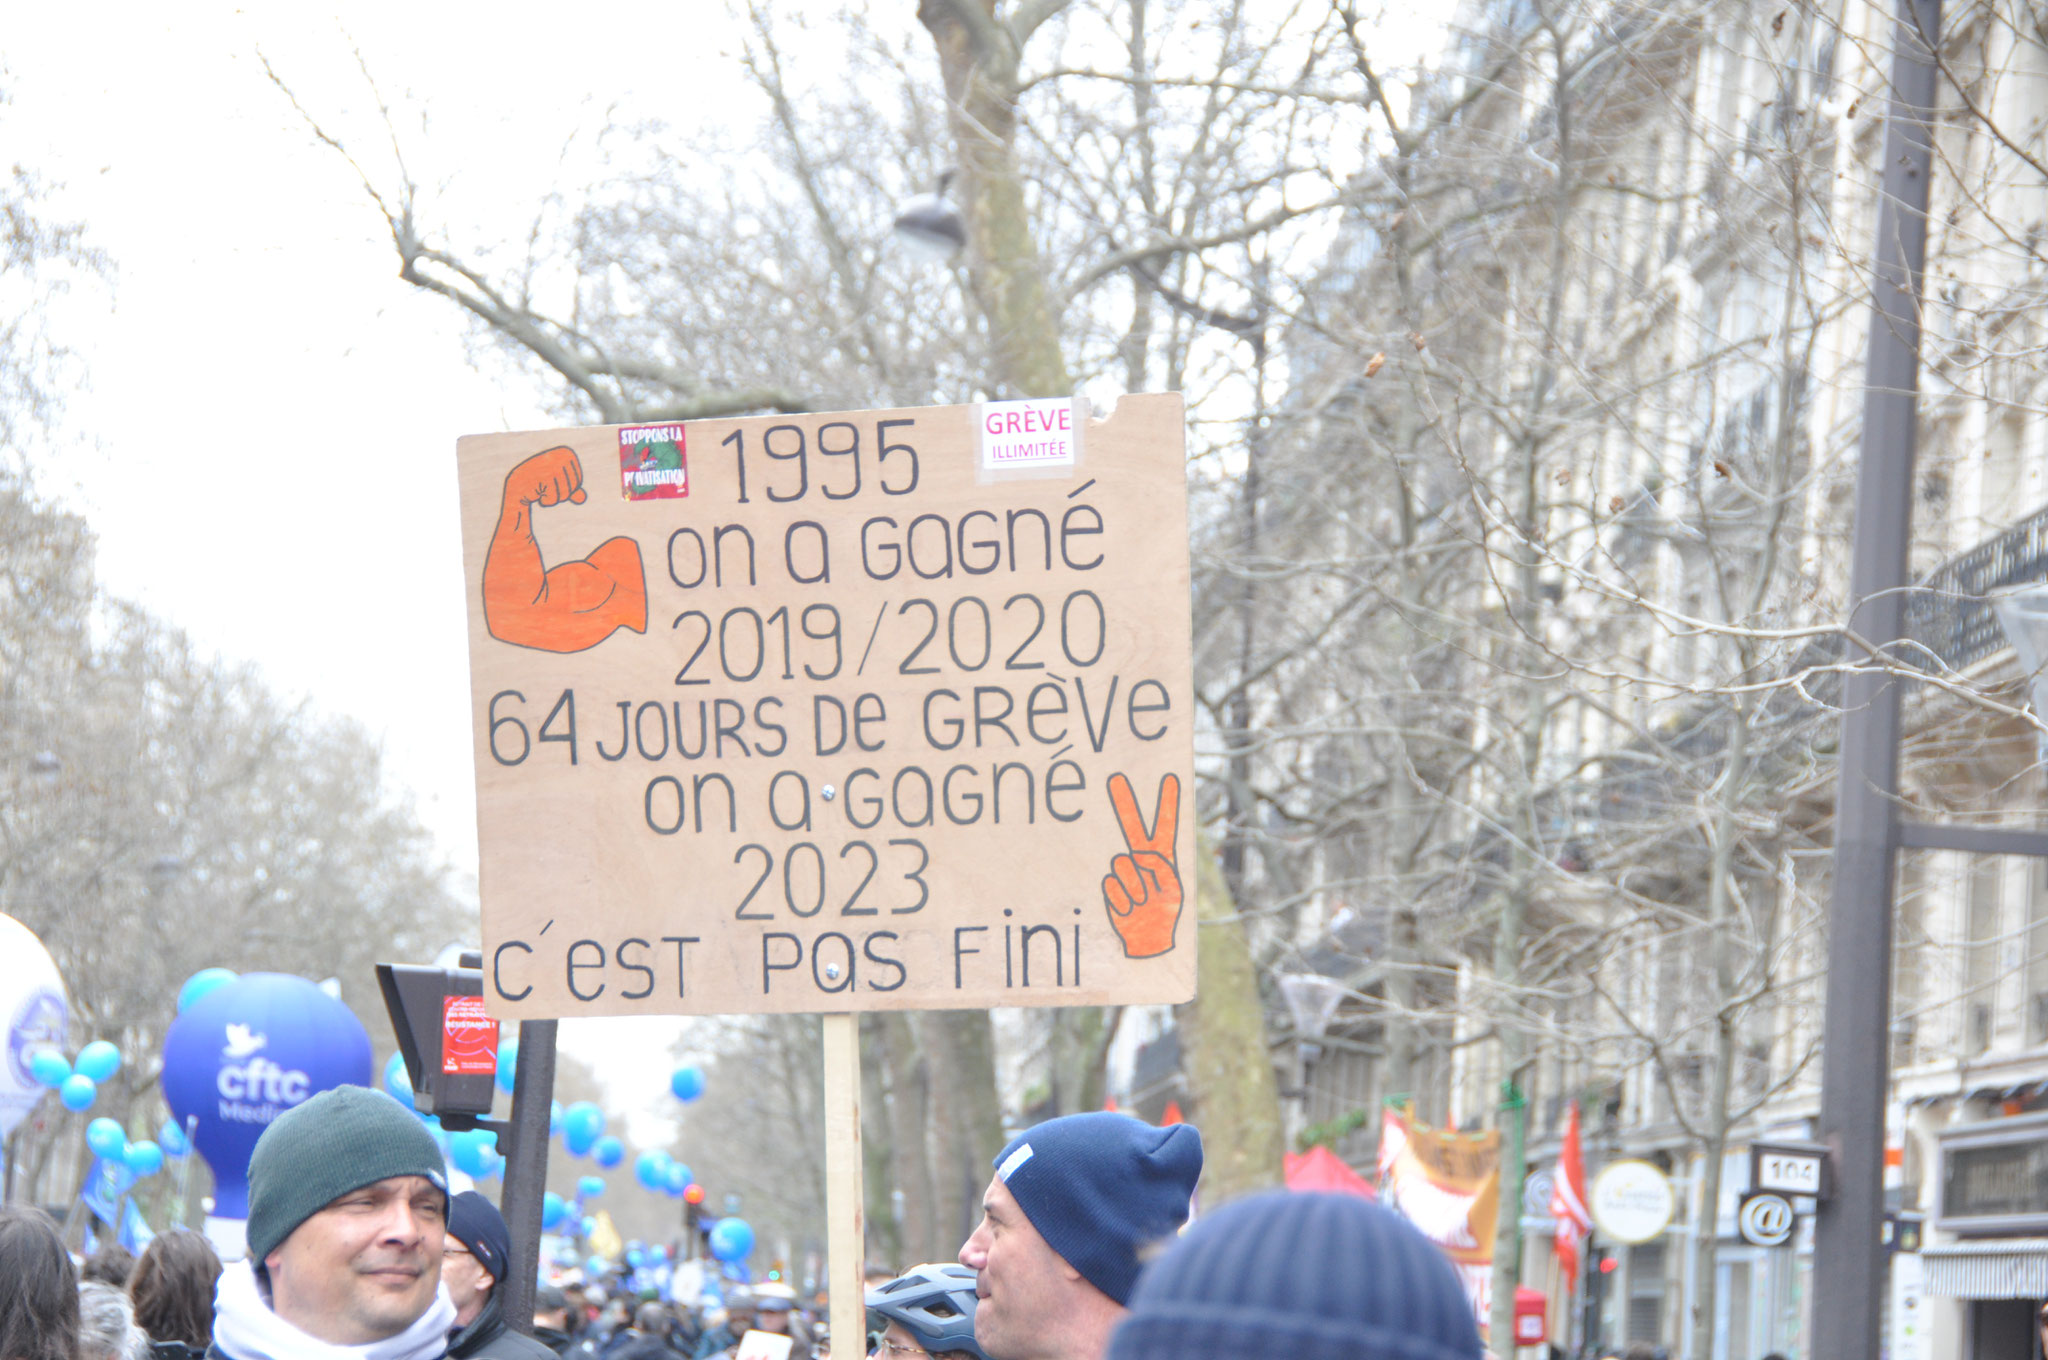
<point>930,226</point>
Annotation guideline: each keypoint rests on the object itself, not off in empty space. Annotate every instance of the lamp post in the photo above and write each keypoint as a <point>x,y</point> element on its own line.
<point>930,225</point>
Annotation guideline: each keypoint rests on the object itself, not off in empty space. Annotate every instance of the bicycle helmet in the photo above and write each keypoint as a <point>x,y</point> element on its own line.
<point>934,1303</point>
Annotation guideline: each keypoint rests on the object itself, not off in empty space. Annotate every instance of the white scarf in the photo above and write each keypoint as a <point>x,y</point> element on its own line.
<point>245,1328</point>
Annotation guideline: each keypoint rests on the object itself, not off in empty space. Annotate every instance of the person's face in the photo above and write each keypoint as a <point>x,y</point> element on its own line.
<point>739,1320</point>
<point>898,1344</point>
<point>1019,1280</point>
<point>364,1268</point>
<point>772,1320</point>
<point>469,1284</point>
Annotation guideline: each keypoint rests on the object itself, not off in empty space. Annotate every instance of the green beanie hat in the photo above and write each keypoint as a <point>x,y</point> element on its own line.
<point>319,1150</point>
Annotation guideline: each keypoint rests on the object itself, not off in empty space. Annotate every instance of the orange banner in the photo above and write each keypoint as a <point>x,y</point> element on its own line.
<point>1448,1186</point>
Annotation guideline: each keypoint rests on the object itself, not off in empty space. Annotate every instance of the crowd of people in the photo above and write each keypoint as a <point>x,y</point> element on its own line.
<point>356,1251</point>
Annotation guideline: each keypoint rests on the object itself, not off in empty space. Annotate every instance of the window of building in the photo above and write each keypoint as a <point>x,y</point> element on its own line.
<point>1645,1320</point>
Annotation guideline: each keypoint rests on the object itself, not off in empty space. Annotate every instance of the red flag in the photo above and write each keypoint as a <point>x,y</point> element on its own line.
<point>1568,1200</point>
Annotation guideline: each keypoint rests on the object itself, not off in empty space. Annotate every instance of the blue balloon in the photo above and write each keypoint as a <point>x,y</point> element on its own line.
<point>585,1226</point>
<point>78,1091</point>
<point>608,1152</point>
<point>634,1258</point>
<point>243,1054</point>
<point>106,1138</point>
<point>553,1209</point>
<point>731,1239</point>
<point>582,1126</point>
<point>172,1139</point>
<point>48,1067</point>
<point>651,1170</point>
<point>472,1151</point>
<point>202,982</point>
<point>144,1158</point>
<point>590,1187</point>
<point>397,1082</point>
<point>687,1083</point>
<point>596,1265</point>
<point>675,1178</point>
<point>98,1060</point>
<point>554,1117</point>
<point>508,1065</point>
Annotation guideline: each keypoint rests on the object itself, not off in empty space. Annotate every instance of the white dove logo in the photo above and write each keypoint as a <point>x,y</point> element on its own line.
<point>241,1042</point>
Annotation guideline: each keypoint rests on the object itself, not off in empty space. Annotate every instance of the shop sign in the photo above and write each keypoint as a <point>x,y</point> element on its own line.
<point>1631,1201</point>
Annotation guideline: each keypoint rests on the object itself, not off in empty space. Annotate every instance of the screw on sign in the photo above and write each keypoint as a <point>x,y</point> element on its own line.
<point>1765,1219</point>
<point>469,1038</point>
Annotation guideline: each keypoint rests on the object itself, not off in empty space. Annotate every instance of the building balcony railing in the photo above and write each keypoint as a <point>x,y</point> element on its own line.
<point>1949,614</point>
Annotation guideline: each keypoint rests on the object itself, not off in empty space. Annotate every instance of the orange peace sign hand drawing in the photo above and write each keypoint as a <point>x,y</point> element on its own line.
<point>1143,888</point>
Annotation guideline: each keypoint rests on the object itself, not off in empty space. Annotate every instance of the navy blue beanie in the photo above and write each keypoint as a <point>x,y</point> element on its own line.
<point>1307,1276</point>
<point>476,1223</point>
<point>1101,1188</point>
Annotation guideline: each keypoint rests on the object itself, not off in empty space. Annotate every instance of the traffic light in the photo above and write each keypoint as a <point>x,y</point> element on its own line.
<point>449,1045</point>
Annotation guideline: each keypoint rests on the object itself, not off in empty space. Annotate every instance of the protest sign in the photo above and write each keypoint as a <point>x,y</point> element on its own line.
<point>836,712</point>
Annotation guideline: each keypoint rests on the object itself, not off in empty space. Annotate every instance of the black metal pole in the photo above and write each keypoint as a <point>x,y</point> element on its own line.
<point>526,1167</point>
<point>1848,1258</point>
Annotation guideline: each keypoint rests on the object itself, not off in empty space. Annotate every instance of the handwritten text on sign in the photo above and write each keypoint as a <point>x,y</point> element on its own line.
<point>868,716</point>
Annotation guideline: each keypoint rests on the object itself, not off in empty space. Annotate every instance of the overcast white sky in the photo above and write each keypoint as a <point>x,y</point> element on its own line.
<point>266,444</point>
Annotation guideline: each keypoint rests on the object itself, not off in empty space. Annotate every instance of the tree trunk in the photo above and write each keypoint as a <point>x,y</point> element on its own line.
<point>966,1119</point>
<point>910,1131</point>
<point>1224,1055</point>
<point>978,63</point>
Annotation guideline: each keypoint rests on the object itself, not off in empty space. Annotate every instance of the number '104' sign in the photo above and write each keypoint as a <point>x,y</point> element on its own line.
<point>853,711</point>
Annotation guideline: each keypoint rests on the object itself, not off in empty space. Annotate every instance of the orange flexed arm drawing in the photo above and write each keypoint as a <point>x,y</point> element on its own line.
<point>573,605</point>
<point>1143,888</point>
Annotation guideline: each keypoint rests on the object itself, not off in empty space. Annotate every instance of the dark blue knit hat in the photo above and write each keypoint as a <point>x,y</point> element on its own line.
<point>1100,1188</point>
<point>476,1223</point>
<point>1307,1276</point>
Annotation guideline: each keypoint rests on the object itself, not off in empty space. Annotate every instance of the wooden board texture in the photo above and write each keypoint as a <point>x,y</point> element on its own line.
<point>822,713</point>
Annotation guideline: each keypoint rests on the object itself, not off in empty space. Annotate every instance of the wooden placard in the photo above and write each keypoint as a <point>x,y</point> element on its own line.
<point>838,712</point>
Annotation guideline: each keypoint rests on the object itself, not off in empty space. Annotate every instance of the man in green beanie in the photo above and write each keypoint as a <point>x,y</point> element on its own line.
<point>348,1207</point>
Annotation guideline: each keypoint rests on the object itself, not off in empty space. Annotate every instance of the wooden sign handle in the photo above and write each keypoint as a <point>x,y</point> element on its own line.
<point>845,1195</point>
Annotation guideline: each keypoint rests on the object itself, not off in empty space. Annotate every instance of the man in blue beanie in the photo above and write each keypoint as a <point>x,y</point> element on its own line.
<point>1075,1206</point>
<point>478,1254</point>
<point>1303,1276</point>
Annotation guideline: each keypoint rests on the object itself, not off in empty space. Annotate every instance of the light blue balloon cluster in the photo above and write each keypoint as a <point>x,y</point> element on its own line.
<point>76,1081</point>
<point>109,1142</point>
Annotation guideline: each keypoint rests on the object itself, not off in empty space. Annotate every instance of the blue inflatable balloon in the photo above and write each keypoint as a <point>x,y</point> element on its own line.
<point>634,1258</point>
<point>472,1151</point>
<point>731,1239</point>
<point>608,1152</point>
<point>78,1091</point>
<point>508,1065</point>
<point>98,1060</point>
<point>172,1139</point>
<point>651,1170</point>
<point>48,1067</point>
<point>585,1226</point>
<point>106,1138</point>
<point>397,1082</point>
<point>687,1083</point>
<point>582,1126</point>
<point>553,1209</point>
<point>202,982</point>
<point>590,1187</point>
<point>554,1117</point>
<point>144,1158</point>
<point>244,1053</point>
<point>676,1179</point>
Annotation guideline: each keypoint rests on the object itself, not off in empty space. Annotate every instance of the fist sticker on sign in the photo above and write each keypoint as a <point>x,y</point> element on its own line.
<point>850,721</point>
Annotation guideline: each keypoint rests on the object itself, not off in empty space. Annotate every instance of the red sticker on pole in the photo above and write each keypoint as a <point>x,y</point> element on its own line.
<point>469,1038</point>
